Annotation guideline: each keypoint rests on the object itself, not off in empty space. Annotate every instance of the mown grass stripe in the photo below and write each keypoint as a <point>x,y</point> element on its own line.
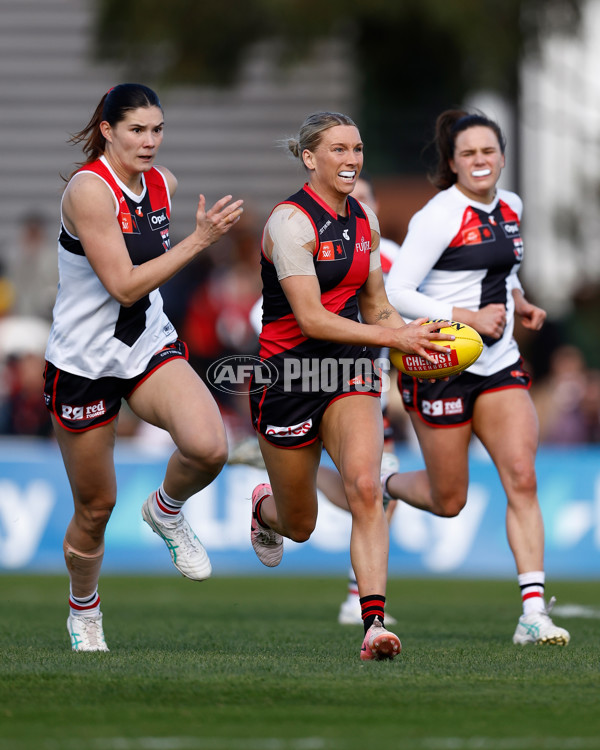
<point>245,663</point>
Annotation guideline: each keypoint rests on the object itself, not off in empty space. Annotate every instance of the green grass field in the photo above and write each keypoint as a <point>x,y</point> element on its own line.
<point>261,664</point>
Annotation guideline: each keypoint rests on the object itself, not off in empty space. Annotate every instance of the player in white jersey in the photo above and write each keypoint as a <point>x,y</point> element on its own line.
<point>459,261</point>
<point>110,340</point>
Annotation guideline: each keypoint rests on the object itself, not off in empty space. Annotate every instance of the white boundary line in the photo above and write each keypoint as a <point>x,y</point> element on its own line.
<point>310,743</point>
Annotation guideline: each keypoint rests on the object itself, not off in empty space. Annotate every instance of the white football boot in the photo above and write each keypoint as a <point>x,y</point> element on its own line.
<point>539,629</point>
<point>186,550</point>
<point>86,632</point>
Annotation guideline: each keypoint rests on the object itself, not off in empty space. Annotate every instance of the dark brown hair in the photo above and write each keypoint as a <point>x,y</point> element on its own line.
<point>113,108</point>
<point>447,126</point>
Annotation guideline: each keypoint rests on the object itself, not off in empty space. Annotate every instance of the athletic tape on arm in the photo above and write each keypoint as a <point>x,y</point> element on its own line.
<point>375,258</point>
<point>291,233</point>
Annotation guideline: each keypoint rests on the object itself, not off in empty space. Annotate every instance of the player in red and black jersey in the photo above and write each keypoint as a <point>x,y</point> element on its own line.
<point>320,268</point>
<point>110,340</point>
<point>460,261</point>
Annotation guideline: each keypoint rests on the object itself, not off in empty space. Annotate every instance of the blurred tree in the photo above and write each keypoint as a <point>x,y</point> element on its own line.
<point>414,57</point>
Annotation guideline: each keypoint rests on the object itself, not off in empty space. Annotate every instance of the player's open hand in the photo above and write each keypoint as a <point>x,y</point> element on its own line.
<point>214,223</point>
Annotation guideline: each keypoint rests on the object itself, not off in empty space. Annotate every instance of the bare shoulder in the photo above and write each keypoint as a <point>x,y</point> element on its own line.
<point>169,177</point>
<point>87,198</point>
<point>87,188</point>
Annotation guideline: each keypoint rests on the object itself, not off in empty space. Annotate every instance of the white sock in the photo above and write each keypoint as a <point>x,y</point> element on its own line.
<point>84,606</point>
<point>166,508</point>
<point>532,591</point>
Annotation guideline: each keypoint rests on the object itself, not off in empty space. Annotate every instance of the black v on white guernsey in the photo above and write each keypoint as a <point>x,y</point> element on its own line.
<point>92,335</point>
<point>460,253</point>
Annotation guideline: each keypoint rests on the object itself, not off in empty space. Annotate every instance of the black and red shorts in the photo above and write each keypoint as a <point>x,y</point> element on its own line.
<point>450,403</point>
<point>81,404</point>
<point>292,418</point>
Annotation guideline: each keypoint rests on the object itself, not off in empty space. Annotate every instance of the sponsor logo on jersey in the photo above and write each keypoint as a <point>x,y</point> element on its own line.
<point>331,250</point>
<point>291,431</point>
<point>518,248</point>
<point>346,234</point>
<point>324,227</point>
<point>510,228</point>
<point>364,246</point>
<point>81,413</point>
<point>478,235</point>
<point>139,212</point>
<point>443,407</point>
<point>128,223</point>
<point>158,219</point>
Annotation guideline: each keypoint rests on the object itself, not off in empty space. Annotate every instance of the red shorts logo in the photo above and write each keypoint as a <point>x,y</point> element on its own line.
<point>442,407</point>
<point>294,430</point>
<point>81,413</point>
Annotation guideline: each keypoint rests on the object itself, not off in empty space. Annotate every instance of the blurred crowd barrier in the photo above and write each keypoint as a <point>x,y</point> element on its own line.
<point>209,304</point>
<point>36,505</point>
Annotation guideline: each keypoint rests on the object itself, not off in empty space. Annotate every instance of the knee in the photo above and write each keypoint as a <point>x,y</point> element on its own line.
<point>216,458</point>
<point>364,491</point>
<point>92,519</point>
<point>523,478</point>
<point>301,533</point>
<point>449,503</point>
<point>207,459</point>
<point>298,528</point>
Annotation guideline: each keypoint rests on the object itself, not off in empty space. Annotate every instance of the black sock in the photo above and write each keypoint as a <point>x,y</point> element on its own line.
<point>371,607</point>
<point>257,513</point>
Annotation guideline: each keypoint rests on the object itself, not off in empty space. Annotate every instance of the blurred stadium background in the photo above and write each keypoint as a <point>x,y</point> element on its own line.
<point>233,80</point>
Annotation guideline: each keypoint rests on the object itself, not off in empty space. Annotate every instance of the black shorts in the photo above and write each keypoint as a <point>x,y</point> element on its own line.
<point>81,404</point>
<point>290,419</point>
<point>451,403</point>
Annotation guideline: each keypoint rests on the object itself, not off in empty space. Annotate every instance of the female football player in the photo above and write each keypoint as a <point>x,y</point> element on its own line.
<point>320,267</point>
<point>459,261</point>
<point>110,340</point>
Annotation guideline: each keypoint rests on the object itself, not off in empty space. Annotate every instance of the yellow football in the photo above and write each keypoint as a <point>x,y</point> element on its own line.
<point>462,352</point>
